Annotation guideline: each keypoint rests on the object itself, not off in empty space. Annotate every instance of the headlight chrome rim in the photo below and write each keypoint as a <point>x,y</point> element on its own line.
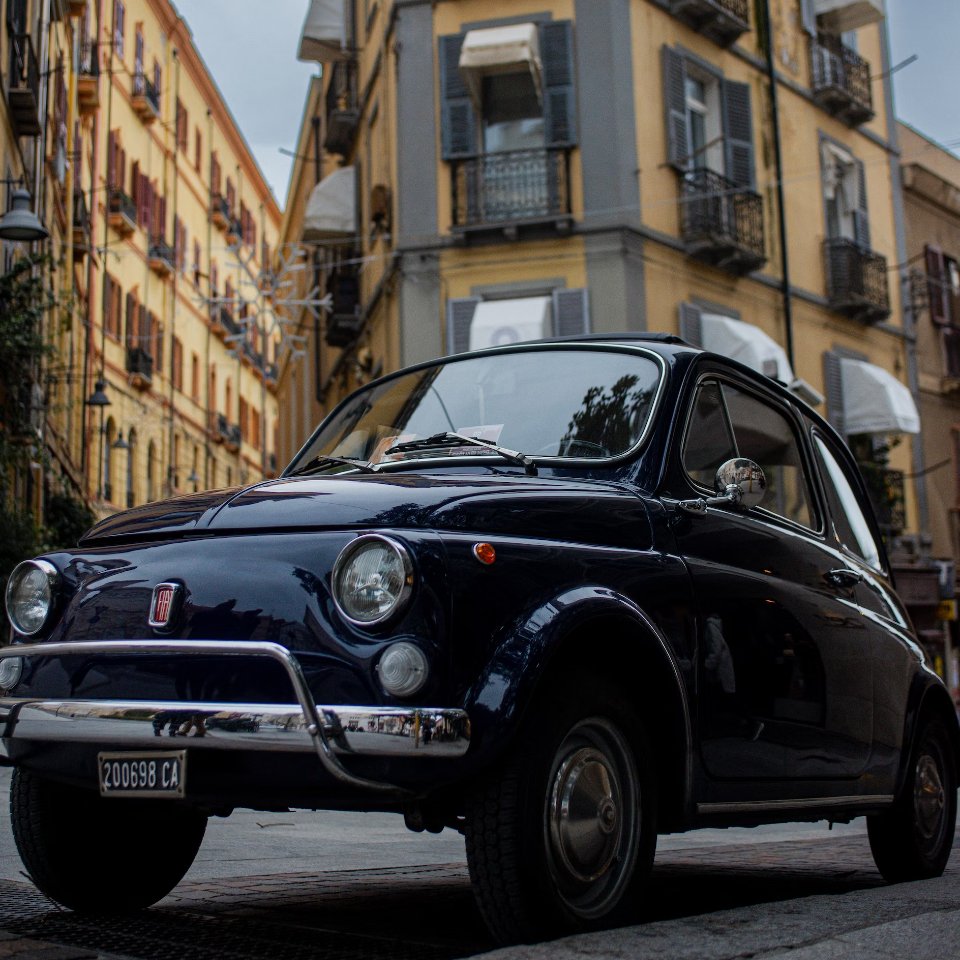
<point>347,555</point>
<point>16,577</point>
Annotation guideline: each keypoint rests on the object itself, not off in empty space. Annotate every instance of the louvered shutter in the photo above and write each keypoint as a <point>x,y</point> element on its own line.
<point>808,16</point>
<point>559,91</point>
<point>833,386</point>
<point>107,302</point>
<point>861,218</point>
<point>675,106</point>
<point>460,311</point>
<point>458,122</point>
<point>691,329</point>
<point>111,159</point>
<point>738,134</point>
<point>937,284</point>
<point>571,312</point>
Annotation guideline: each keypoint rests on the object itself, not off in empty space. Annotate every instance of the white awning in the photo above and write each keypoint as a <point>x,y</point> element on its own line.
<point>332,210</point>
<point>509,49</point>
<point>747,344</point>
<point>324,34</point>
<point>500,322</point>
<point>875,401</point>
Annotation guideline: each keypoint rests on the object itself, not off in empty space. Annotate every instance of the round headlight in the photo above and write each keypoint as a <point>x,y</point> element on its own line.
<point>402,669</point>
<point>11,669</point>
<point>31,591</point>
<point>372,580</point>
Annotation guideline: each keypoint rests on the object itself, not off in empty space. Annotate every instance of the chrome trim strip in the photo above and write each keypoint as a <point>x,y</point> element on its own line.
<point>351,731</point>
<point>318,731</point>
<point>805,803</point>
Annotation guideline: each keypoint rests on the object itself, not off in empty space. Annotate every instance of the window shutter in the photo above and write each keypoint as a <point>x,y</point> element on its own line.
<point>691,328</point>
<point>460,311</point>
<point>675,105</point>
<point>559,95</point>
<point>808,16</point>
<point>458,125</point>
<point>144,334</point>
<point>107,302</point>
<point>131,320</point>
<point>937,284</point>
<point>571,312</point>
<point>833,386</point>
<point>861,218</point>
<point>738,133</point>
<point>111,159</point>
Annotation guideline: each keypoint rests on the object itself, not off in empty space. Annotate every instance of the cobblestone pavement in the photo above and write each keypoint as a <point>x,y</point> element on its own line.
<point>412,912</point>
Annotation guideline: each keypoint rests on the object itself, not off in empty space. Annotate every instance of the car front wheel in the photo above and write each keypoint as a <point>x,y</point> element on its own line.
<point>99,855</point>
<point>562,836</point>
<point>913,840</point>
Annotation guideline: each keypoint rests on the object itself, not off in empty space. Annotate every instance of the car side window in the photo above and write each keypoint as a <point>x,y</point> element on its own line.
<point>727,422</point>
<point>848,518</point>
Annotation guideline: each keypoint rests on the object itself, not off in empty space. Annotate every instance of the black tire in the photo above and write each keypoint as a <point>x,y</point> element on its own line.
<point>562,836</point>
<point>96,855</point>
<point>914,839</point>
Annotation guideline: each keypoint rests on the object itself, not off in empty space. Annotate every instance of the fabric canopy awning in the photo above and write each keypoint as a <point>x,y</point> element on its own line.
<point>500,322</point>
<point>331,212</point>
<point>747,344</point>
<point>509,49</point>
<point>875,401</point>
<point>324,34</point>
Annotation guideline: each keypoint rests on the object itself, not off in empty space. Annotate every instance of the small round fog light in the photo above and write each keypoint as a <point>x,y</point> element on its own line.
<point>403,669</point>
<point>11,669</point>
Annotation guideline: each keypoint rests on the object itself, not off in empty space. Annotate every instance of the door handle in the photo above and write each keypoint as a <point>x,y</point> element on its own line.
<point>844,578</point>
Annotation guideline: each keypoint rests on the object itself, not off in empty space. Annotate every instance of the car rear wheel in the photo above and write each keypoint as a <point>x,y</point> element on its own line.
<point>98,855</point>
<point>562,836</point>
<point>913,840</point>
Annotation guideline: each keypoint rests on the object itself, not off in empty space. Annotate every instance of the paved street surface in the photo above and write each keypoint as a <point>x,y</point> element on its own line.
<point>361,887</point>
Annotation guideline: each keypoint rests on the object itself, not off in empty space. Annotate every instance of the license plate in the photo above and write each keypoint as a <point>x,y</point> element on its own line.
<point>142,774</point>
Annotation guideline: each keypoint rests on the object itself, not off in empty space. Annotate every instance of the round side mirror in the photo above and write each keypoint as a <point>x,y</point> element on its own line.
<point>743,481</point>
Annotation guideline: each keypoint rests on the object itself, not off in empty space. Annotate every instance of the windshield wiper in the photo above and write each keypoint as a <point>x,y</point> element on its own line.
<point>319,461</point>
<point>451,439</point>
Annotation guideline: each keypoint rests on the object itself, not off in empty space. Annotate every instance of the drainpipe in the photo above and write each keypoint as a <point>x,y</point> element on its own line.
<point>781,205</point>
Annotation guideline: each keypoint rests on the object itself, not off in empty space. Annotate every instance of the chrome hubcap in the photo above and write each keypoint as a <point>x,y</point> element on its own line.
<point>592,818</point>
<point>929,797</point>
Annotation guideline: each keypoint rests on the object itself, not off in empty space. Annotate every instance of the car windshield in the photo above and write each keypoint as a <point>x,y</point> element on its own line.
<point>543,403</point>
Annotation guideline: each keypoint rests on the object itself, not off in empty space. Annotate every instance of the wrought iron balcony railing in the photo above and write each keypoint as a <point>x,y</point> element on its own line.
<point>81,226</point>
<point>722,21</point>
<point>857,282</point>
<point>499,190</point>
<point>161,256</point>
<point>122,211</point>
<point>220,211</point>
<point>887,491</point>
<point>841,80</point>
<point>146,98</point>
<point>721,223</point>
<point>342,108</point>
<point>139,366</point>
<point>23,86</point>
<point>88,77</point>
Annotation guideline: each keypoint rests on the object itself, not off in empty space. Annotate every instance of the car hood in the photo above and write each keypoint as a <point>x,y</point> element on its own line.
<point>532,506</point>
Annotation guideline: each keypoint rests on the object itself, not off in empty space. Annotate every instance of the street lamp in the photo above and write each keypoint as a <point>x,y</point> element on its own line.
<point>99,396</point>
<point>20,223</point>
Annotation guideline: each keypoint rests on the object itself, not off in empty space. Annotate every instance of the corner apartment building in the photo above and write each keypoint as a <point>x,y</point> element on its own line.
<point>931,180</point>
<point>477,172</point>
<point>179,229</point>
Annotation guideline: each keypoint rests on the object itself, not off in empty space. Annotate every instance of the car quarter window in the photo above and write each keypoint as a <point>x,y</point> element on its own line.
<point>849,521</point>
<point>727,422</point>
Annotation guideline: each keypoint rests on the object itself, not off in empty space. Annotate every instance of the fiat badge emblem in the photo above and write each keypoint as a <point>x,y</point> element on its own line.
<point>163,606</point>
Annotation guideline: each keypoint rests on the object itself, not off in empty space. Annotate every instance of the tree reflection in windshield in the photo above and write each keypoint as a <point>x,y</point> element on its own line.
<point>607,420</point>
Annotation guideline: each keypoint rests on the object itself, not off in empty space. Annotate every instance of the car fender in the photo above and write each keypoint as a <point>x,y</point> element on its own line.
<point>928,695</point>
<point>522,657</point>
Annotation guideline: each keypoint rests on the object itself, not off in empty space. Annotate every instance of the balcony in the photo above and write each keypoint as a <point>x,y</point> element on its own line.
<point>81,226</point>
<point>841,81</point>
<point>510,191</point>
<point>234,230</point>
<point>721,223</point>
<point>223,323</point>
<point>722,21</point>
<point>342,109</point>
<point>160,257</point>
<point>232,436</point>
<point>345,320</point>
<point>857,284</point>
<point>217,431</point>
<point>23,87</point>
<point>219,211</point>
<point>886,491</point>
<point>88,78</point>
<point>122,212</point>
<point>146,99</point>
<point>139,368</point>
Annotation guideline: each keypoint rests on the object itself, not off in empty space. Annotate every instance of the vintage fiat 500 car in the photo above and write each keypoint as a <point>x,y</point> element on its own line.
<point>559,596</point>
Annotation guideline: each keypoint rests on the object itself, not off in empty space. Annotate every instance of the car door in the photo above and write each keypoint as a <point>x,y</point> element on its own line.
<point>784,690</point>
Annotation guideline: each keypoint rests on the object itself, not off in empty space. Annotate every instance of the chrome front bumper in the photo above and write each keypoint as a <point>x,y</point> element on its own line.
<point>331,732</point>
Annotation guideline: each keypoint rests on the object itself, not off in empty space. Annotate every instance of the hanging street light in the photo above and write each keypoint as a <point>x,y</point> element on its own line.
<point>20,223</point>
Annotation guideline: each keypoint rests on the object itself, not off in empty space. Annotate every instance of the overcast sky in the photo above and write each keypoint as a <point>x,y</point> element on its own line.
<point>250,47</point>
